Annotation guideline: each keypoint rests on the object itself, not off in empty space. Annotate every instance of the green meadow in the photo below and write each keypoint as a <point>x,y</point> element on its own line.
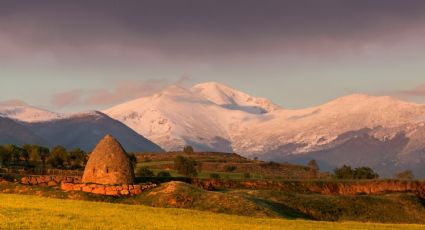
<point>34,212</point>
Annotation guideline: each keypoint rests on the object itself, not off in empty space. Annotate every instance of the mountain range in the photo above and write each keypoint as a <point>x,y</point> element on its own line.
<point>359,130</point>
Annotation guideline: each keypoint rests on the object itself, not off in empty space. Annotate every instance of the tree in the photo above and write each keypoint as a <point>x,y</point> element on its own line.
<point>365,173</point>
<point>133,159</point>
<point>230,168</point>
<point>313,169</point>
<point>4,156</point>
<point>188,149</point>
<point>58,157</point>
<point>163,174</point>
<point>14,153</point>
<point>405,175</point>
<point>215,176</point>
<point>346,172</point>
<point>247,175</point>
<point>77,158</point>
<point>44,155</point>
<point>144,172</point>
<point>34,152</point>
<point>186,166</point>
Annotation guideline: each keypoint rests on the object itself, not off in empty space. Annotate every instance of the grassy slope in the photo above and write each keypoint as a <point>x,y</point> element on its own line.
<point>388,208</point>
<point>21,211</point>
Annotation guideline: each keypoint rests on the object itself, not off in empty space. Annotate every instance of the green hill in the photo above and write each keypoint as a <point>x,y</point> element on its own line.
<point>32,212</point>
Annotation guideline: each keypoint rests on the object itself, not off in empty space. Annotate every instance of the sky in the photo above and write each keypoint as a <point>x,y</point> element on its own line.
<point>87,54</point>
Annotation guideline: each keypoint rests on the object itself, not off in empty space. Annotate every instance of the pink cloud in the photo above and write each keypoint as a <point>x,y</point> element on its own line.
<point>68,98</point>
<point>418,91</point>
<point>123,91</point>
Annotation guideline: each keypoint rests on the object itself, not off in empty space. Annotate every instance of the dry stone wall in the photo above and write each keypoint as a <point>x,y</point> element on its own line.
<point>52,181</point>
<point>108,190</point>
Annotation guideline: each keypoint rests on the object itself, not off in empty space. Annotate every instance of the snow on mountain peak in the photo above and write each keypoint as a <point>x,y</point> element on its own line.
<point>233,99</point>
<point>21,111</point>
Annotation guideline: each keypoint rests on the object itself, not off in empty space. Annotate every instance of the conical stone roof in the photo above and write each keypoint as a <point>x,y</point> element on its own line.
<point>108,164</point>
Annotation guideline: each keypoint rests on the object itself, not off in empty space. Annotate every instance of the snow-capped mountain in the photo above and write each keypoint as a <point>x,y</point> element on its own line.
<point>360,130</point>
<point>201,116</point>
<point>212,116</point>
<point>233,99</point>
<point>21,123</point>
<point>21,111</point>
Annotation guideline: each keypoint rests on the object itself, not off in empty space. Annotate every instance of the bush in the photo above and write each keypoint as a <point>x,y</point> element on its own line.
<point>346,172</point>
<point>163,174</point>
<point>186,166</point>
<point>144,172</point>
<point>230,168</point>
<point>313,169</point>
<point>188,149</point>
<point>214,176</point>
<point>405,175</point>
<point>247,175</point>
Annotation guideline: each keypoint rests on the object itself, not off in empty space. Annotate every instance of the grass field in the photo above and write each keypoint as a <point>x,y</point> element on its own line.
<point>32,212</point>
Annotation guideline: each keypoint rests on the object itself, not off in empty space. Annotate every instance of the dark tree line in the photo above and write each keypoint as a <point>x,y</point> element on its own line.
<point>35,155</point>
<point>346,172</point>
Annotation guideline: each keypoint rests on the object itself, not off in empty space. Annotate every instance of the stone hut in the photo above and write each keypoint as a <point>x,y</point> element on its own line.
<point>108,164</point>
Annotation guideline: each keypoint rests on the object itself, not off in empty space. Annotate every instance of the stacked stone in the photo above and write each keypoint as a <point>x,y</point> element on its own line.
<point>108,190</point>
<point>49,180</point>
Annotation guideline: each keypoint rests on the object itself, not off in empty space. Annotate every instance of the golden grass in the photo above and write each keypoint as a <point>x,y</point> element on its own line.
<point>32,212</point>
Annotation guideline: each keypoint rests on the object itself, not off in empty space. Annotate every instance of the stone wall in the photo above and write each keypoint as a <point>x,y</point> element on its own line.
<point>49,180</point>
<point>109,190</point>
<point>322,187</point>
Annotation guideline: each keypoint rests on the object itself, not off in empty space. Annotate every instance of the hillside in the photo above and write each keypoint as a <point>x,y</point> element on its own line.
<point>84,130</point>
<point>35,212</point>
<point>11,132</point>
<point>226,165</point>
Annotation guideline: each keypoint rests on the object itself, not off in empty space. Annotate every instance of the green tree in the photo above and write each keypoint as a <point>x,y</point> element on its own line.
<point>230,168</point>
<point>58,157</point>
<point>44,155</point>
<point>133,159</point>
<point>313,169</point>
<point>188,149</point>
<point>345,172</point>
<point>77,158</point>
<point>14,153</point>
<point>365,173</point>
<point>4,156</point>
<point>34,152</point>
<point>186,166</point>
<point>405,175</point>
<point>163,174</point>
<point>215,176</point>
<point>144,172</point>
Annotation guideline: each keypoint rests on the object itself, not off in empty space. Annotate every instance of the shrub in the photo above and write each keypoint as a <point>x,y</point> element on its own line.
<point>230,168</point>
<point>133,159</point>
<point>405,175</point>
<point>346,172</point>
<point>188,149</point>
<point>186,166</point>
<point>144,172</point>
<point>163,174</point>
<point>313,169</point>
<point>214,176</point>
<point>247,175</point>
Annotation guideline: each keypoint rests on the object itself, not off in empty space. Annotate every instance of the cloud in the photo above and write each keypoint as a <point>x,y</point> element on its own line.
<point>418,91</point>
<point>121,92</point>
<point>68,98</point>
